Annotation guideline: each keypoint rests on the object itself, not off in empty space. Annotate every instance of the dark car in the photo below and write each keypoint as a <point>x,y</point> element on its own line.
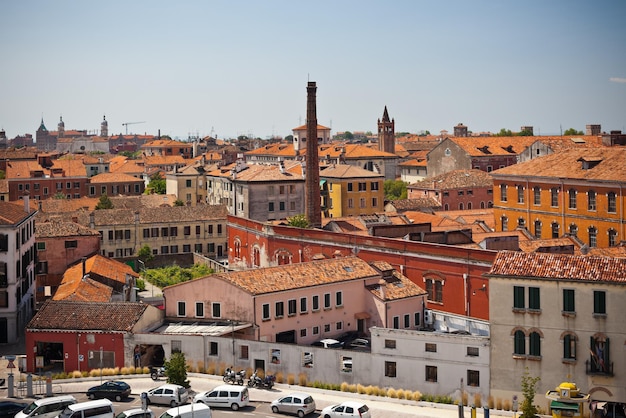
<point>8,409</point>
<point>348,336</point>
<point>359,344</point>
<point>113,389</point>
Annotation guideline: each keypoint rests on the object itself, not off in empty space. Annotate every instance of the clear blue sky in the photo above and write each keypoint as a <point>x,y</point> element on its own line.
<point>241,67</point>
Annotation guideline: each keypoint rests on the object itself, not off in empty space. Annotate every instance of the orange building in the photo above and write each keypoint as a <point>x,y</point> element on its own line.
<point>579,192</point>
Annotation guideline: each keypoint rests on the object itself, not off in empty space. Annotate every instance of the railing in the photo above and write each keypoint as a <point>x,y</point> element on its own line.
<point>592,368</point>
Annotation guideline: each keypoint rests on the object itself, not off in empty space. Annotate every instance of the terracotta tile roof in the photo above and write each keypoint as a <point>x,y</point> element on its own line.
<point>263,173</point>
<point>295,276</point>
<point>113,178</point>
<point>352,151</point>
<point>27,153</point>
<point>23,169</point>
<point>415,204</point>
<point>143,201</point>
<point>559,267</point>
<point>70,167</point>
<point>152,160</point>
<point>619,251</point>
<point>57,228</point>
<point>494,145</point>
<point>78,290</point>
<point>95,159</point>
<point>456,179</point>
<point>67,315</point>
<point>275,149</point>
<point>126,166</point>
<point>534,245</point>
<point>67,205</point>
<point>305,127</point>
<point>12,213</point>
<point>437,222</point>
<point>395,286</point>
<point>414,163</point>
<point>158,143</point>
<point>471,216</point>
<point>609,165</point>
<point>345,171</point>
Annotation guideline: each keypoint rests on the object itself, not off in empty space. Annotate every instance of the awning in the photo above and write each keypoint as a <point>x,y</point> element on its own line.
<point>564,406</point>
<point>362,315</point>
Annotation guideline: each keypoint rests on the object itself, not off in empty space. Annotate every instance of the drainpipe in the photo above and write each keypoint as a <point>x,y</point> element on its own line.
<point>467,302</point>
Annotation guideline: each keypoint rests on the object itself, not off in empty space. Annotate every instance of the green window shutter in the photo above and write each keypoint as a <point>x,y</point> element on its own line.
<point>518,297</point>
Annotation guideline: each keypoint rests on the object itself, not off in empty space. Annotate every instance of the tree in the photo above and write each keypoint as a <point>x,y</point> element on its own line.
<point>572,131</point>
<point>59,195</point>
<point>289,138</point>
<point>104,203</point>
<point>157,184</point>
<point>504,132</point>
<point>299,221</point>
<point>2,175</point>
<point>529,388</point>
<point>179,202</point>
<point>176,370</point>
<point>395,190</point>
<point>145,253</point>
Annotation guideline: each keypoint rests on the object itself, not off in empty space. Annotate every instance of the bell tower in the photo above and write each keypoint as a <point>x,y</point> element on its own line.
<point>104,127</point>
<point>387,134</point>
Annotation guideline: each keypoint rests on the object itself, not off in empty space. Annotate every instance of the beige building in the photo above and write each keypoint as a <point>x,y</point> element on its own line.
<point>560,317</point>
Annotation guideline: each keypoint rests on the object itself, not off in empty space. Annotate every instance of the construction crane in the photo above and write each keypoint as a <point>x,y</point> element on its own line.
<point>130,123</point>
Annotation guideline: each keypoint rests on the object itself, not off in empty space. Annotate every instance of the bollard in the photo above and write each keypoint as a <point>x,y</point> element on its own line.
<point>460,410</point>
<point>10,393</point>
<point>486,412</point>
<point>29,385</point>
<point>48,384</point>
<point>473,411</point>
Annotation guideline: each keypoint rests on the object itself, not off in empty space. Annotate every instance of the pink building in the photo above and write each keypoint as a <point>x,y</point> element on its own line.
<point>303,302</point>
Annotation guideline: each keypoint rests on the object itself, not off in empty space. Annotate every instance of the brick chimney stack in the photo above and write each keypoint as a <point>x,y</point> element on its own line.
<point>312,182</point>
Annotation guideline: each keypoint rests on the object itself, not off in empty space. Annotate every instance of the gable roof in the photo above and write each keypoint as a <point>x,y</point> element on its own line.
<point>508,264</point>
<point>346,171</point>
<point>70,315</point>
<point>118,177</point>
<point>57,228</point>
<point>12,213</point>
<point>456,179</point>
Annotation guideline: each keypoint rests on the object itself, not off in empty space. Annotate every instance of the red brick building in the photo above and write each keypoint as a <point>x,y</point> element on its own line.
<point>451,275</point>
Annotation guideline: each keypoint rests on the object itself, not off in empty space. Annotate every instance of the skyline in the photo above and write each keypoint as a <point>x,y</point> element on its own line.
<point>240,68</point>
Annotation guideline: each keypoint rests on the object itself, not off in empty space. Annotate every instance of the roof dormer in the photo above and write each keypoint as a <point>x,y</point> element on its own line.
<point>589,162</point>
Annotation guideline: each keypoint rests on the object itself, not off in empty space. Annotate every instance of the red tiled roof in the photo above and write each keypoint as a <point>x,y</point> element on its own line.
<point>559,267</point>
<point>12,213</point>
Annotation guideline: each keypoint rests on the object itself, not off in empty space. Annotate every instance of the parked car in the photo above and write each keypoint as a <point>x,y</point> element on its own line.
<point>194,410</point>
<point>8,409</point>
<point>299,404</point>
<point>346,409</point>
<point>328,343</point>
<point>360,344</point>
<point>224,396</point>
<point>113,389</point>
<point>46,407</point>
<point>348,336</point>
<point>136,413</point>
<point>168,394</point>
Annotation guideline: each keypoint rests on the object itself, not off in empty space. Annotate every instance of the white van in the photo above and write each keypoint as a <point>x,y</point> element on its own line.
<point>46,407</point>
<point>224,396</point>
<point>101,408</point>
<point>194,410</point>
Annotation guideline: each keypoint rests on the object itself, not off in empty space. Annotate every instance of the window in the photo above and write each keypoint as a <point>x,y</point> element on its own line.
<point>266,311</point>
<point>315,330</point>
<point>430,347</point>
<point>339,299</point>
<point>504,221</point>
<point>518,297</point>
<point>599,302</point>
<point>593,237</point>
<point>213,348</point>
<point>244,352</point>
<point>396,322</point>
<point>537,195</point>
<point>362,203</point>
<point>503,192</point>
<point>349,187</point>
<point>315,301</point>
<point>41,246</point>
<point>591,200</point>
<point>362,187</point>
<point>573,230</point>
<point>271,207</point>
<point>281,206</point>
<point>303,307</point>
<point>431,373</point>
<point>71,244</point>
<point>326,300</point>
<point>200,309</point>
<point>569,347</point>
<point>535,344</point>
<point>181,309</point>
<point>572,198</point>
<point>326,327</point>
<point>291,307</point>
<point>187,183</point>
<point>600,359</point>
<point>390,369</point>
<point>520,194</point>
<point>612,237</point>
<point>186,248</point>
<point>390,343</point>
<point>554,197</point>
<point>472,351</point>
<point>374,202</point>
<point>521,223</point>
<point>350,203</point>
<point>407,321</point>
<point>416,318</point>
<point>339,325</point>
<point>216,310</point>
<point>534,302</point>
<point>568,301</point>
<point>473,378</point>
<point>434,288</point>
<point>280,310</point>
<point>374,185</point>
<point>519,343</point>
<point>554,227</point>
<point>611,203</point>
<point>537,228</point>
<point>165,249</point>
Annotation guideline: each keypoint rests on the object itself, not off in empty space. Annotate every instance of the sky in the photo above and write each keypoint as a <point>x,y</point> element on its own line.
<point>240,67</point>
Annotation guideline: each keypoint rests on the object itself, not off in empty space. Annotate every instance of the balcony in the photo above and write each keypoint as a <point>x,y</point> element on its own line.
<point>593,368</point>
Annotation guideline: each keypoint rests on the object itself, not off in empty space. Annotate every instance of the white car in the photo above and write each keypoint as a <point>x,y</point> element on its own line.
<point>328,343</point>
<point>168,394</point>
<point>299,404</point>
<point>346,409</point>
<point>136,413</point>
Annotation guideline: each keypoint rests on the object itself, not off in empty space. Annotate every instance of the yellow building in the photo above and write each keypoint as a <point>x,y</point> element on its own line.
<point>351,191</point>
<point>579,192</point>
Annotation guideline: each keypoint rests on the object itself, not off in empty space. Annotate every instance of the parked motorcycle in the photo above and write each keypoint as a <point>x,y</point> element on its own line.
<point>232,377</point>
<point>266,383</point>
<point>157,372</point>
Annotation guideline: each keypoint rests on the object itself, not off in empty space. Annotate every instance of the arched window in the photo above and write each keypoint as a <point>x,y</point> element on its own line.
<point>521,223</point>
<point>519,344</point>
<point>573,230</point>
<point>611,206</point>
<point>446,207</point>
<point>572,198</point>
<point>256,257</point>
<point>537,229</point>
<point>555,229</point>
<point>237,249</point>
<point>534,344</point>
<point>569,346</point>
<point>482,205</point>
<point>612,237</point>
<point>434,289</point>
<point>593,237</point>
<point>469,205</point>
<point>591,200</point>
<point>504,223</point>
<point>461,206</point>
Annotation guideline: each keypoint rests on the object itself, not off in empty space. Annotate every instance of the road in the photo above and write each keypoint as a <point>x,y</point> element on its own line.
<point>381,407</point>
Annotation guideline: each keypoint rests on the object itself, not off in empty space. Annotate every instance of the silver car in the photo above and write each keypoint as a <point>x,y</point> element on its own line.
<point>299,404</point>
<point>168,394</point>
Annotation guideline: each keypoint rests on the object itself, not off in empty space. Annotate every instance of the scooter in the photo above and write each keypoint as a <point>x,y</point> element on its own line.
<point>265,383</point>
<point>157,372</point>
